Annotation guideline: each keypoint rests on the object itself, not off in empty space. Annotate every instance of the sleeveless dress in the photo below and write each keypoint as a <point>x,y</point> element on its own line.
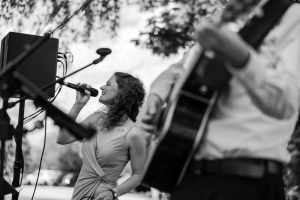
<point>102,165</point>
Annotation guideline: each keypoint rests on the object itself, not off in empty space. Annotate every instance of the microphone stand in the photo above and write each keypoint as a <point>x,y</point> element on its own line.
<point>60,80</point>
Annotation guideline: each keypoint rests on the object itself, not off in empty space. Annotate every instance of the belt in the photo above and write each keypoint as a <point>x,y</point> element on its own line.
<point>252,168</point>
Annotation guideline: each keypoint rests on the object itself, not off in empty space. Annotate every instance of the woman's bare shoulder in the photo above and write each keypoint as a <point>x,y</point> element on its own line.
<point>136,133</point>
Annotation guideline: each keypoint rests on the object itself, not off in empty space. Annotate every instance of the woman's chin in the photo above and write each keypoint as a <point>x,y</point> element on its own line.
<point>102,101</point>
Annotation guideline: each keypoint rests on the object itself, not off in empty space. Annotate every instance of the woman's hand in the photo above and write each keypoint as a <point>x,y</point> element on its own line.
<point>106,195</point>
<point>227,45</point>
<point>82,97</point>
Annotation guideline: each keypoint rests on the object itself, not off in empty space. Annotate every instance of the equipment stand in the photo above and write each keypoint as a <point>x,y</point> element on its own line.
<point>19,160</point>
<point>2,169</point>
<point>7,132</point>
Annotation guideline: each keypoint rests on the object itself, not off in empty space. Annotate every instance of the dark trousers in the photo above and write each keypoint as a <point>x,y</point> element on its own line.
<point>228,187</point>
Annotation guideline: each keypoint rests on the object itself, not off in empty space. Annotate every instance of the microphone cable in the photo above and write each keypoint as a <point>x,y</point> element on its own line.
<point>44,145</point>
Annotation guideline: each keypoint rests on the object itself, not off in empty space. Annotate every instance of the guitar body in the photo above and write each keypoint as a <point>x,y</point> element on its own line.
<point>184,122</point>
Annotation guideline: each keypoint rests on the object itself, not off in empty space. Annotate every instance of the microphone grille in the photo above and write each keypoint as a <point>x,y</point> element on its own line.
<point>103,51</point>
<point>94,92</point>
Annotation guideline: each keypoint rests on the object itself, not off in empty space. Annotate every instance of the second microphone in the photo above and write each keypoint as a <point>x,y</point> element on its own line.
<point>94,92</point>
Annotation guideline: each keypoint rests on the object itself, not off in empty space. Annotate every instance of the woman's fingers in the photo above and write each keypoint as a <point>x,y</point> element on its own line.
<point>86,86</point>
<point>87,92</point>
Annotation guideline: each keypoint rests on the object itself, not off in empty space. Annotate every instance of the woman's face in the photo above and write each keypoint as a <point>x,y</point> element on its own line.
<point>109,91</point>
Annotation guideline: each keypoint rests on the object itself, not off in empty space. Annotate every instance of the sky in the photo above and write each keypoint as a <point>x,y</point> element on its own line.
<point>125,57</point>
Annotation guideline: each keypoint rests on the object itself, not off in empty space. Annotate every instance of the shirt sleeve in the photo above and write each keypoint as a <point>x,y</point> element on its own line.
<point>272,75</point>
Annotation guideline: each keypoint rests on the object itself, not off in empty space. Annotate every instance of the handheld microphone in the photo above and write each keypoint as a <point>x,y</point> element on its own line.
<point>93,91</point>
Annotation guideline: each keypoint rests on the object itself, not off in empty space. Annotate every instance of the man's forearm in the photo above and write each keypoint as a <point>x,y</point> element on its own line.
<point>276,93</point>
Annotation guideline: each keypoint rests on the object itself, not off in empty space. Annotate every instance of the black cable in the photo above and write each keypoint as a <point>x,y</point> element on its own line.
<point>58,89</point>
<point>34,115</point>
<point>71,60</point>
<point>37,180</point>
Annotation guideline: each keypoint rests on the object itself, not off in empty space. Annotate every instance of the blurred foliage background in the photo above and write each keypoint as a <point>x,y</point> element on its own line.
<point>168,30</point>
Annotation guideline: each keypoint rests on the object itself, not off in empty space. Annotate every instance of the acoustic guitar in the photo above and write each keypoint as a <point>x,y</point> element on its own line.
<point>182,122</point>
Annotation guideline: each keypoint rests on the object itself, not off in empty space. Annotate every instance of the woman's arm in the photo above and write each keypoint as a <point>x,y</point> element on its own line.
<point>64,136</point>
<point>137,150</point>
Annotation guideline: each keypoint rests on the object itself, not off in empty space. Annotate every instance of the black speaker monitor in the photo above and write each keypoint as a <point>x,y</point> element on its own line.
<point>39,67</point>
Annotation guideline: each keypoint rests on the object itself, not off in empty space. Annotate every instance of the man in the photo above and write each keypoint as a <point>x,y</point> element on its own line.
<point>245,145</point>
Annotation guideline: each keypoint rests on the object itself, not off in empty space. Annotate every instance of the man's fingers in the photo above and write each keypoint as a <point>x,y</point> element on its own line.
<point>151,109</point>
<point>149,113</point>
<point>149,128</point>
<point>147,118</point>
<point>147,123</point>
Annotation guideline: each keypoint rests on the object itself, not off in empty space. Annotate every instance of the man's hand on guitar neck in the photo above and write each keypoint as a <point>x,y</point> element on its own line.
<point>160,92</point>
<point>227,45</point>
<point>150,113</point>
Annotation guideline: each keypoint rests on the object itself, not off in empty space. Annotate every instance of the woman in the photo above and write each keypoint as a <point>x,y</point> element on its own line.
<point>117,140</point>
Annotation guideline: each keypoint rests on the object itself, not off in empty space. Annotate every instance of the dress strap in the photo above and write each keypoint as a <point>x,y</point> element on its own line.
<point>131,128</point>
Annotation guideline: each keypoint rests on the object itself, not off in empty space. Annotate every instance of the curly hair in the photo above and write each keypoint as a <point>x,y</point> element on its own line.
<point>128,101</point>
